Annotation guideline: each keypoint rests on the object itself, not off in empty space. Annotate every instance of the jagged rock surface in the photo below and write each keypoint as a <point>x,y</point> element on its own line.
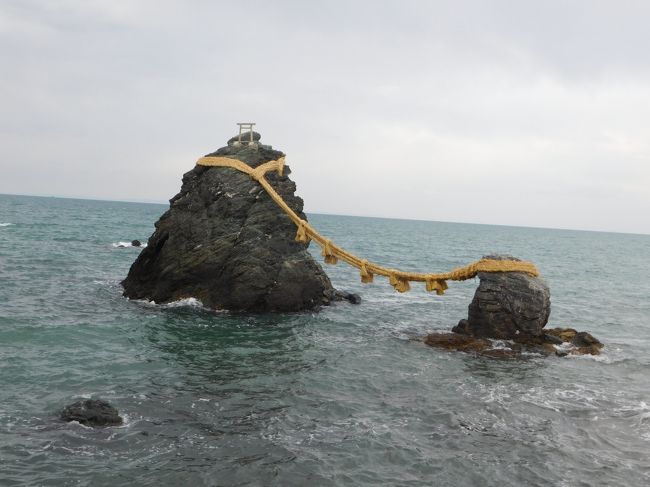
<point>225,242</point>
<point>507,305</point>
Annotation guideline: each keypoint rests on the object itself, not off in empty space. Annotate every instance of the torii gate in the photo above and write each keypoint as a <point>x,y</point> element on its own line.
<point>248,126</point>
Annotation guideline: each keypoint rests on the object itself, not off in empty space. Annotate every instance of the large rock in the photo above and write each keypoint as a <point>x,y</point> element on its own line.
<point>507,305</point>
<point>92,412</point>
<point>225,242</point>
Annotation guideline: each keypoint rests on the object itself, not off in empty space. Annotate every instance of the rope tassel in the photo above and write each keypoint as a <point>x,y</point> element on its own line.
<point>399,283</point>
<point>437,285</point>
<point>330,258</point>
<point>366,275</point>
<point>301,234</point>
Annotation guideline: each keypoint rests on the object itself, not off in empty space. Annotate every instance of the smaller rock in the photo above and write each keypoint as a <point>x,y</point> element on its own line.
<point>136,243</point>
<point>462,327</point>
<point>584,339</point>
<point>351,297</point>
<point>332,295</point>
<point>92,412</point>
<point>507,304</point>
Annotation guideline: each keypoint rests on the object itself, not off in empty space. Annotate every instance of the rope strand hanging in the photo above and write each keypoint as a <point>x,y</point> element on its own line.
<point>331,252</point>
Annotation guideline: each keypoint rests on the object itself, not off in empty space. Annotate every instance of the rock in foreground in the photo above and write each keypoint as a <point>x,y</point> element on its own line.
<point>507,305</point>
<point>92,412</point>
<point>225,242</point>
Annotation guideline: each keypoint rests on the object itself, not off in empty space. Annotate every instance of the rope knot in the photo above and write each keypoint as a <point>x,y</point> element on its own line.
<point>366,275</point>
<point>437,285</point>
<point>301,235</point>
<point>400,283</point>
<point>330,258</point>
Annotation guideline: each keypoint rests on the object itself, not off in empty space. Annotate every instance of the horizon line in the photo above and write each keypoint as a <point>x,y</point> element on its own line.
<point>162,203</point>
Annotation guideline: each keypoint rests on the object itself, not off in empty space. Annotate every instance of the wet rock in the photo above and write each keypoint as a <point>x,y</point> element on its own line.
<point>552,339</point>
<point>136,243</point>
<point>571,341</point>
<point>563,334</point>
<point>469,344</point>
<point>225,242</point>
<point>584,339</point>
<point>92,412</point>
<point>455,341</point>
<point>350,297</point>
<point>507,305</point>
<point>581,341</point>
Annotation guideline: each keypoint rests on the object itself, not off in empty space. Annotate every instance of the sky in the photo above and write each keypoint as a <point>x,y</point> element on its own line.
<point>522,113</point>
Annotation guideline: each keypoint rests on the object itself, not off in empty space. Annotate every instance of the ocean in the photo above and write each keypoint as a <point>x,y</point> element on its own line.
<point>344,397</point>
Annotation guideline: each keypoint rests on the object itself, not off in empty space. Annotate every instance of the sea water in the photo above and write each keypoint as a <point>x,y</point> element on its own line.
<point>343,397</point>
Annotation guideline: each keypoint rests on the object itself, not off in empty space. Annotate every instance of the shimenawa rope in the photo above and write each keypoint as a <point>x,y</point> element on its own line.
<point>367,270</point>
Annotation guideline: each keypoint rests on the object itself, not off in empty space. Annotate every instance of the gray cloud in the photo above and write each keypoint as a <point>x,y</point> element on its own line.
<point>524,113</point>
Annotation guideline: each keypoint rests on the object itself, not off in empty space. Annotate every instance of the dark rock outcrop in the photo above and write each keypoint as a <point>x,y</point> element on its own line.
<point>513,309</point>
<point>92,412</point>
<point>225,242</point>
<point>136,243</point>
<point>507,305</point>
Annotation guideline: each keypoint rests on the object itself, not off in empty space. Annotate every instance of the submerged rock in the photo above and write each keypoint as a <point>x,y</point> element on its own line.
<point>136,243</point>
<point>580,342</point>
<point>92,412</point>
<point>455,341</point>
<point>469,344</point>
<point>542,345</point>
<point>351,298</point>
<point>507,305</point>
<point>225,242</point>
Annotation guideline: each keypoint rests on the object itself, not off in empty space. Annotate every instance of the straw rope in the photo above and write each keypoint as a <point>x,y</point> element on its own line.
<point>367,270</point>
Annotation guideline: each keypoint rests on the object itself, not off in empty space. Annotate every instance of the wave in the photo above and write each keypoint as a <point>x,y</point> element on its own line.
<point>122,245</point>
<point>5,224</point>
<point>185,302</point>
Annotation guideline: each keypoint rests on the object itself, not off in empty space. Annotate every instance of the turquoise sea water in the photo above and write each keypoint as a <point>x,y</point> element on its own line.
<point>344,397</point>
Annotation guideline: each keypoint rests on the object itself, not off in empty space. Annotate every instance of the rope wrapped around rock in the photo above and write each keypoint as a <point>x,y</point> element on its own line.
<point>331,252</point>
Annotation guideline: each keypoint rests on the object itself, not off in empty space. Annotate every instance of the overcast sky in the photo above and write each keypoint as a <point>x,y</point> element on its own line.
<point>533,113</point>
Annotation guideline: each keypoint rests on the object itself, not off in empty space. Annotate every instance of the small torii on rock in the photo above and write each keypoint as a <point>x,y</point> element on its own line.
<point>243,128</point>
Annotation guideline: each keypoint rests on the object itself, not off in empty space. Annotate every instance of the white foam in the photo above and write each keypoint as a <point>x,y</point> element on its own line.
<point>122,245</point>
<point>189,302</point>
<point>501,345</point>
<point>568,347</point>
<point>603,358</point>
<point>5,224</point>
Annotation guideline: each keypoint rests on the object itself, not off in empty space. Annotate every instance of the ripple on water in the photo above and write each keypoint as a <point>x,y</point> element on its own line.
<point>341,397</point>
